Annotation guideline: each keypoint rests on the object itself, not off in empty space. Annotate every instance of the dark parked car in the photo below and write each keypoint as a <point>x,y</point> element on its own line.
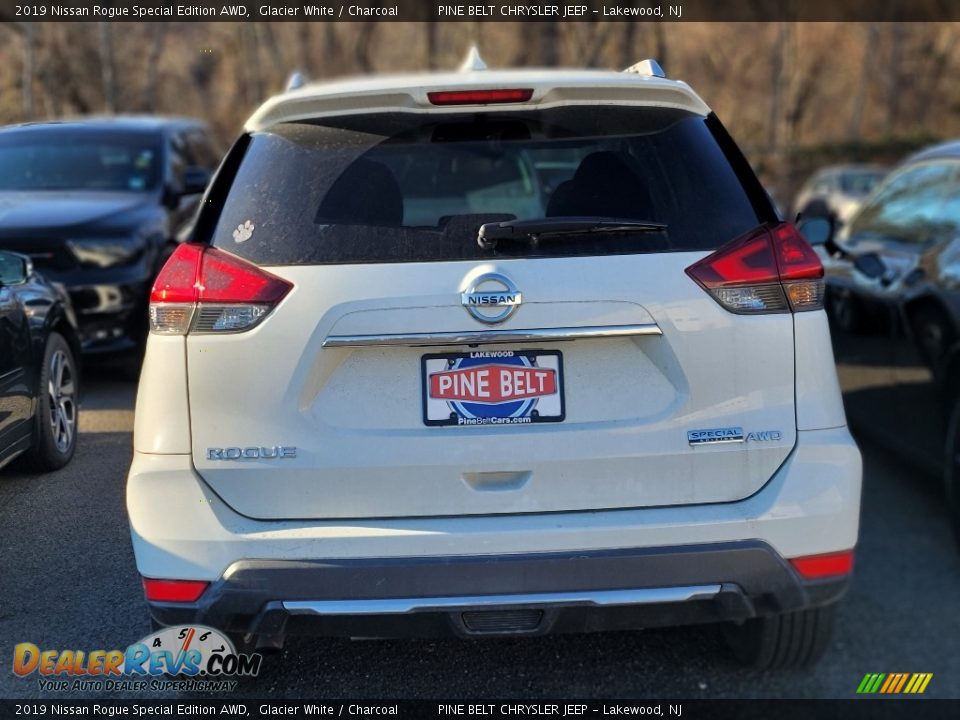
<point>97,205</point>
<point>898,271</point>
<point>39,377</point>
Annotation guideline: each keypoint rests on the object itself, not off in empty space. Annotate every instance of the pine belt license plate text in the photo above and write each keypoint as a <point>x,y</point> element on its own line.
<point>495,387</point>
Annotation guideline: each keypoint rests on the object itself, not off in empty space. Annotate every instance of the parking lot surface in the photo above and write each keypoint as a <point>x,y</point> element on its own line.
<point>68,581</point>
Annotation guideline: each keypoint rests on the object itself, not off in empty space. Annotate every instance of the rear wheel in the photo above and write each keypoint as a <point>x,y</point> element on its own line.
<point>951,471</point>
<point>933,333</point>
<point>55,422</point>
<point>789,640</point>
<point>846,312</point>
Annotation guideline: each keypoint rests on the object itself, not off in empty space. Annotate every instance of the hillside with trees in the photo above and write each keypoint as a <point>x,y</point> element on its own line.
<point>793,94</point>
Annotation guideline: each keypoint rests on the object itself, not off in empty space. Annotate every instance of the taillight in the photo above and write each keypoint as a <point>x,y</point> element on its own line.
<point>173,590</point>
<point>815,567</point>
<point>771,269</point>
<point>479,97</point>
<point>205,290</point>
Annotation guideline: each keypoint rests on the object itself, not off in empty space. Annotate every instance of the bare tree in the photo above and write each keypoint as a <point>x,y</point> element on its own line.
<point>549,45</point>
<point>158,32</point>
<point>591,40</point>
<point>802,85</point>
<point>333,51</point>
<point>660,43</point>
<point>304,55</point>
<point>939,53</point>
<point>628,39</point>
<point>764,79</point>
<point>430,35</point>
<point>364,47</point>
<point>108,68</point>
<point>29,60</point>
<point>894,74</point>
<point>278,63</point>
<point>872,31</point>
<point>777,62</point>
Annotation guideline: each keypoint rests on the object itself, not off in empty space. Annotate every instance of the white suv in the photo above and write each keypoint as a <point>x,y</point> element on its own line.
<point>488,353</point>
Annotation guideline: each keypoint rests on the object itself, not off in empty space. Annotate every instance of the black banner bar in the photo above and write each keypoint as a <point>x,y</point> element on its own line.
<point>228,707</point>
<point>21,11</point>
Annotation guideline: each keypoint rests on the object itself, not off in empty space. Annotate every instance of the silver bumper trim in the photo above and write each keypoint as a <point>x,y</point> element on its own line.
<point>598,598</point>
<point>491,337</point>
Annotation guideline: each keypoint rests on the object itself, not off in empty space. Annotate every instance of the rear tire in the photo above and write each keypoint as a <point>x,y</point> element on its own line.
<point>934,335</point>
<point>846,312</point>
<point>789,640</point>
<point>56,419</point>
<point>951,470</point>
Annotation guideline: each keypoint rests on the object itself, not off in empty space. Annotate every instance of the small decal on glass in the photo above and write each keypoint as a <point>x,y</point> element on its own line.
<point>243,232</point>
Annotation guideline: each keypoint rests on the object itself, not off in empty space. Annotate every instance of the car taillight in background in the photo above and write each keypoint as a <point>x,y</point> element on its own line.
<point>205,290</point>
<point>769,270</point>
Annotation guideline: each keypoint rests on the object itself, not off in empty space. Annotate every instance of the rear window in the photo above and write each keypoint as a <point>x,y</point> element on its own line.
<point>78,159</point>
<point>414,188</point>
<point>860,183</point>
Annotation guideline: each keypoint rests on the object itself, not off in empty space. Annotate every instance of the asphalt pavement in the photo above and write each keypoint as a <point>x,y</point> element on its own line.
<point>68,580</point>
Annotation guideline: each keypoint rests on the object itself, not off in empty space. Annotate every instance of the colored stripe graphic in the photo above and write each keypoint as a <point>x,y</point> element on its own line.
<point>892,679</point>
<point>894,683</point>
<point>903,681</point>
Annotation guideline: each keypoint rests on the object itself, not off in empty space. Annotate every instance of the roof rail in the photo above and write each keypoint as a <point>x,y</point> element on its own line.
<point>473,62</point>
<point>648,67</point>
<point>296,81</point>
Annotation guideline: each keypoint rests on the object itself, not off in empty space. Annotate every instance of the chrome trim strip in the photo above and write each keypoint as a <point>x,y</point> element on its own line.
<point>491,337</point>
<point>599,598</point>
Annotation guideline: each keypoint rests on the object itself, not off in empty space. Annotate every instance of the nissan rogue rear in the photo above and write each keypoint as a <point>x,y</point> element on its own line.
<point>488,353</point>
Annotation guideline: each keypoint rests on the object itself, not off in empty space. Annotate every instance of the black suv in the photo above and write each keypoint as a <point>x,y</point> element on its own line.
<point>97,205</point>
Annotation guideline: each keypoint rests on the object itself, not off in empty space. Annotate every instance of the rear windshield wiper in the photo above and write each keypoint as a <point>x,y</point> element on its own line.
<point>533,230</point>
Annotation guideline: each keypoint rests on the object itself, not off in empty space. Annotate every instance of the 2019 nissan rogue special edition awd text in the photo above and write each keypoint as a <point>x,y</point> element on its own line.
<point>487,353</point>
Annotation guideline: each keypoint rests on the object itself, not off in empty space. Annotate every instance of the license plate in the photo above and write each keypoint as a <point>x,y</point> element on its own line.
<point>498,387</point>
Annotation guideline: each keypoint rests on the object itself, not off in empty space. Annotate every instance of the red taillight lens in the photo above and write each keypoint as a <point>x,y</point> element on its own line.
<point>177,281</point>
<point>820,566</point>
<point>796,258</point>
<point>771,269</point>
<point>479,97</point>
<point>202,289</point>
<point>225,278</point>
<point>173,590</point>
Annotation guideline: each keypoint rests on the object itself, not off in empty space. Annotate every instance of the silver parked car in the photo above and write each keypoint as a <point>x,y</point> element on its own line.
<point>837,191</point>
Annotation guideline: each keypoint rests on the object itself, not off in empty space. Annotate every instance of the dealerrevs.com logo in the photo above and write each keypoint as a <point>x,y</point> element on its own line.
<point>183,657</point>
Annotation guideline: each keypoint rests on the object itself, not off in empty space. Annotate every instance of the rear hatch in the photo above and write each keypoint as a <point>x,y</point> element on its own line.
<point>408,371</point>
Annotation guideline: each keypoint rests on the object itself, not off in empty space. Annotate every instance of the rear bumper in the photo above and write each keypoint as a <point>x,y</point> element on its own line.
<point>507,594</point>
<point>182,530</point>
<point>111,305</point>
<point>111,318</point>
